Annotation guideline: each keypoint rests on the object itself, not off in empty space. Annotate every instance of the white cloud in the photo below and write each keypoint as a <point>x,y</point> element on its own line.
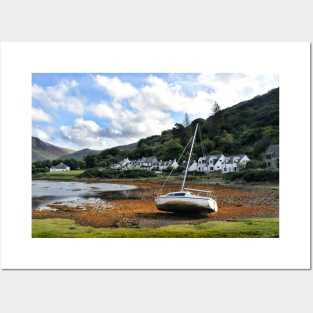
<point>115,87</point>
<point>150,110</point>
<point>41,134</point>
<point>160,95</point>
<point>128,125</point>
<point>230,88</point>
<point>103,110</point>
<point>39,115</point>
<point>84,133</point>
<point>58,96</point>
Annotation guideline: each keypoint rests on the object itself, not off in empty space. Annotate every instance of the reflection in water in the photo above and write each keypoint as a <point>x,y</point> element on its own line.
<point>45,192</point>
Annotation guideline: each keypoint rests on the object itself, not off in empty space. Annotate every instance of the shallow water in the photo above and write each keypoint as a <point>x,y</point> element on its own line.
<point>45,192</point>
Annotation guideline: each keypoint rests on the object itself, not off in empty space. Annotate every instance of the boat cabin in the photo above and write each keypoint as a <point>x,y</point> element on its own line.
<point>179,194</point>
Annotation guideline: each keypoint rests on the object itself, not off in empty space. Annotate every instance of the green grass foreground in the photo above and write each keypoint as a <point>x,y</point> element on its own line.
<point>69,175</point>
<point>248,228</point>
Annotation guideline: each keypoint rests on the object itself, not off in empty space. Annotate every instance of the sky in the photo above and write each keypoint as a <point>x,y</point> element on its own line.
<point>103,110</point>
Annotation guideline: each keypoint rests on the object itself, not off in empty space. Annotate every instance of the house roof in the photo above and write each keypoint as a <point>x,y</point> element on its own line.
<point>232,158</point>
<point>214,157</point>
<point>60,166</point>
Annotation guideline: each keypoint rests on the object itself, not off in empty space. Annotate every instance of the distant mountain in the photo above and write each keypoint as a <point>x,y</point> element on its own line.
<point>45,151</point>
<point>80,155</point>
<point>129,147</point>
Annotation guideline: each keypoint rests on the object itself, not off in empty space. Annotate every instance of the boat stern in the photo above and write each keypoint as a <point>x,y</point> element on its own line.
<point>213,205</point>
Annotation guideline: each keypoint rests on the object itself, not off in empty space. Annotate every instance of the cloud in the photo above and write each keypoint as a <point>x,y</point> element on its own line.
<point>159,95</point>
<point>150,110</point>
<point>115,87</point>
<point>39,115</point>
<point>59,96</point>
<point>84,133</point>
<point>41,134</point>
<point>231,88</point>
<point>127,125</point>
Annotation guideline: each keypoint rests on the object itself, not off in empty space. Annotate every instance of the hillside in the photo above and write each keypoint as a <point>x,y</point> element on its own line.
<point>80,155</point>
<point>129,147</point>
<point>248,127</point>
<point>45,151</point>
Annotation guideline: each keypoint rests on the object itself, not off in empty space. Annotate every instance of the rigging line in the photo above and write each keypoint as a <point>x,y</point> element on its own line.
<point>180,157</point>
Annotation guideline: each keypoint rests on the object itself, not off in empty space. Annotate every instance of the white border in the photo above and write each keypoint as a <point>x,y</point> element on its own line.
<point>290,60</point>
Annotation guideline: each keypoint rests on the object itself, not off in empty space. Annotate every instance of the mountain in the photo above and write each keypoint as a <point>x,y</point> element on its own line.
<point>248,127</point>
<point>80,155</point>
<point>45,151</point>
<point>128,147</point>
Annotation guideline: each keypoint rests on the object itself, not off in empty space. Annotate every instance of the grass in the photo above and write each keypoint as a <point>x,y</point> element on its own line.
<point>247,228</point>
<point>69,175</point>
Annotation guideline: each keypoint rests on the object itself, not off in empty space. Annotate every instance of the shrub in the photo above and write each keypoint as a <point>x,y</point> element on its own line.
<point>112,173</point>
<point>251,175</point>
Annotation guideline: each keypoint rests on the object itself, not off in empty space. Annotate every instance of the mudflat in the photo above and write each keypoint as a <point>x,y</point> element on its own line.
<point>136,208</point>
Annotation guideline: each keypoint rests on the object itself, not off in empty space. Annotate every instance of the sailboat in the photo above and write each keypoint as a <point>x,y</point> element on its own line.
<point>184,201</point>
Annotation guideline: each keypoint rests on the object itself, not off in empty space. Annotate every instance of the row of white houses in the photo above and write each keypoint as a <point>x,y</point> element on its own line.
<point>206,164</point>
<point>149,163</point>
<point>219,162</point>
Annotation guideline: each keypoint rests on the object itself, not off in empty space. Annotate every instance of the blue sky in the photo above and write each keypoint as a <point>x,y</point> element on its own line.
<point>102,110</point>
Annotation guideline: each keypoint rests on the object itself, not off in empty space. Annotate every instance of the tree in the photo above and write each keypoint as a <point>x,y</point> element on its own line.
<point>186,120</point>
<point>91,161</point>
<point>173,149</point>
<point>216,107</point>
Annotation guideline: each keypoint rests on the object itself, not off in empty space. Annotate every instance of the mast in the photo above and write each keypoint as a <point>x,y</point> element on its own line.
<point>186,171</point>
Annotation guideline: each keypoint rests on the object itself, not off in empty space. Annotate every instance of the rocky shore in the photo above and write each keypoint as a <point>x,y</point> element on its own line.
<point>135,208</point>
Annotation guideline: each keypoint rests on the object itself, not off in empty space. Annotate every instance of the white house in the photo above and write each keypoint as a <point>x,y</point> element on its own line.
<point>220,162</point>
<point>174,164</point>
<point>235,163</point>
<point>211,163</point>
<point>61,167</point>
<point>193,167</point>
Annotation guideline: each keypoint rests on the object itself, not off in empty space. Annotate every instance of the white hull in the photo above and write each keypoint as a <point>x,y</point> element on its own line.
<point>186,204</point>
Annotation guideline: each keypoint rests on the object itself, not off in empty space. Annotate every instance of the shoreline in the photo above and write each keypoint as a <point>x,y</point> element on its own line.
<point>136,209</point>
